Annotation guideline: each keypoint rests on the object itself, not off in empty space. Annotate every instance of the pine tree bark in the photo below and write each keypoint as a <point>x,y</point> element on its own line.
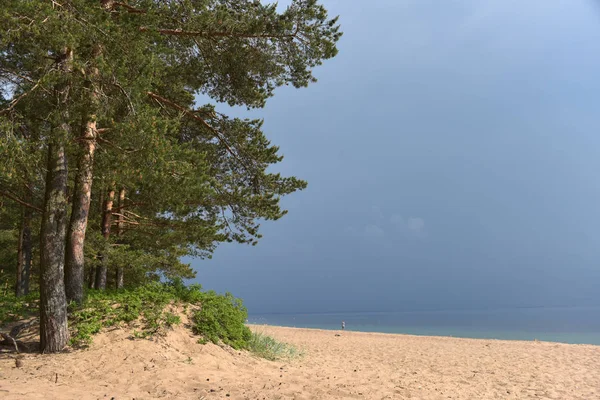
<point>75,261</point>
<point>102,268</point>
<point>53,301</point>
<point>93,268</point>
<point>101,273</point>
<point>24,254</point>
<point>54,333</point>
<point>120,280</point>
<point>92,278</point>
<point>82,194</point>
<point>27,251</point>
<point>120,225</point>
<point>20,257</point>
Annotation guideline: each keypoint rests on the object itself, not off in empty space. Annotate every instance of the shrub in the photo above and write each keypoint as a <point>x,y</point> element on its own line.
<point>222,318</point>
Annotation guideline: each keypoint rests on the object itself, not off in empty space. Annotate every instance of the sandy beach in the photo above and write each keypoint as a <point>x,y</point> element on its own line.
<point>334,365</point>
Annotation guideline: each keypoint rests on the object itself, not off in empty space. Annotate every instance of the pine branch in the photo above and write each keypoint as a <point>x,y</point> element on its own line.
<point>129,205</point>
<point>193,115</point>
<point>208,34</point>
<point>15,101</point>
<point>130,103</point>
<point>125,220</point>
<point>18,200</point>
<point>16,74</point>
<point>126,151</point>
<point>129,8</point>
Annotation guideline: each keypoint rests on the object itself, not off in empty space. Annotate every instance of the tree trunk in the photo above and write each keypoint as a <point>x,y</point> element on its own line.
<point>53,302</point>
<point>74,262</point>
<point>102,269</point>
<point>120,225</point>
<point>54,332</point>
<point>24,254</point>
<point>74,272</point>
<point>27,251</point>
<point>93,268</point>
<point>120,280</point>
<point>20,258</point>
<point>82,195</point>
<point>92,277</point>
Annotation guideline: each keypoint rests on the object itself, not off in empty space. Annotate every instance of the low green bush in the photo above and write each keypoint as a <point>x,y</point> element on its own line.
<point>222,318</point>
<point>145,304</point>
<point>216,318</point>
<point>219,318</point>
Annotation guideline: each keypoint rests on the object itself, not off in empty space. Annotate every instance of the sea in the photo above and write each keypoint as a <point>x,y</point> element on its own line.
<point>576,325</point>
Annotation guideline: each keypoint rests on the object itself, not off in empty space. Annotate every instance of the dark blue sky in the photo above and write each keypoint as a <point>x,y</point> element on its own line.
<point>452,151</point>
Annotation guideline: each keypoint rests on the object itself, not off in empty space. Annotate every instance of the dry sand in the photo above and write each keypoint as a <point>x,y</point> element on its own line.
<point>353,365</point>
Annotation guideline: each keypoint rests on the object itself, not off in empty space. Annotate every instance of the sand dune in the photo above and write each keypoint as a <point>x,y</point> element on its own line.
<point>353,365</point>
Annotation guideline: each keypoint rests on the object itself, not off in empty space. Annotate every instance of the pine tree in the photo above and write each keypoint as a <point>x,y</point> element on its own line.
<point>108,88</point>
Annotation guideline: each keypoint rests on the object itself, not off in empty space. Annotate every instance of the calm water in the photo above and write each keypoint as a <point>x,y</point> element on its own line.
<point>568,325</point>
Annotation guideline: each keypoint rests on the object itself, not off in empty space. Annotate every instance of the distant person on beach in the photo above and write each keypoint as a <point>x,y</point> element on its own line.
<point>343,325</point>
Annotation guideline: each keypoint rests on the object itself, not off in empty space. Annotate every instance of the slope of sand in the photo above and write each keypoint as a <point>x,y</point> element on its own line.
<point>353,365</point>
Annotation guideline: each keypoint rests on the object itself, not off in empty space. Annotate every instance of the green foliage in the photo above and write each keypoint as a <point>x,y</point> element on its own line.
<point>141,266</point>
<point>149,308</point>
<point>193,177</point>
<point>222,319</point>
<point>146,306</point>
<point>171,319</point>
<point>265,346</point>
<point>8,256</point>
<point>14,308</point>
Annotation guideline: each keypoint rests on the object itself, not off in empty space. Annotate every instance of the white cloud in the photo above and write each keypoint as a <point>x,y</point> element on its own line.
<point>374,231</point>
<point>377,213</point>
<point>397,219</point>
<point>350,230</point>
<point>414,226</point>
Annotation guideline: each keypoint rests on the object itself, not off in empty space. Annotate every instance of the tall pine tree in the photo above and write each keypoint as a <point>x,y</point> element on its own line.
<point>109,89</point>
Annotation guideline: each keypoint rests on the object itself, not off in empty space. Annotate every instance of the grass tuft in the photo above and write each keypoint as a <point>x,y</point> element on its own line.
<point>266,347</point>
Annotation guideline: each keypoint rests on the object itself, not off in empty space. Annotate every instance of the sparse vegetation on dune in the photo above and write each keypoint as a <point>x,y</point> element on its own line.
<point>148,309</point>
<point>152,310</point>
<point>269,348</point>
